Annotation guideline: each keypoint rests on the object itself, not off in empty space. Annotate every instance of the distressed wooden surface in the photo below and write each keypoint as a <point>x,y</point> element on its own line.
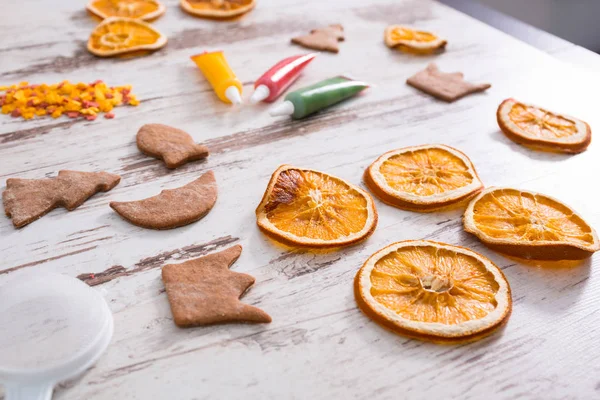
<point>319,345</point>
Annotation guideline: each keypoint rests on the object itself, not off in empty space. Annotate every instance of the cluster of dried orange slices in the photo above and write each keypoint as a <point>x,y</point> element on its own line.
<point>418,288</point>
<point>220,9</point>
<point>433,291</point>
<point>423,178</point>
<point>307,208</point>
<point>541,129</point>
<point>412,41</point>
<point>123,30</point>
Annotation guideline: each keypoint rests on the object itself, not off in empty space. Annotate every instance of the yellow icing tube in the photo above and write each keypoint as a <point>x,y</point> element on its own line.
<point>219,74</point>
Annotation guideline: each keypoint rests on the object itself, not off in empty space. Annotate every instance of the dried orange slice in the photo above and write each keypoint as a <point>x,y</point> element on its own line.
<point>407,39</point>
<point>217,8</point>
<point>541,129</point>
<point>423,178</point>
<point>307,208</point>
<point>433,291</point>
<point>529,225</point>
<point>146,10</point>
<point>117,35</point>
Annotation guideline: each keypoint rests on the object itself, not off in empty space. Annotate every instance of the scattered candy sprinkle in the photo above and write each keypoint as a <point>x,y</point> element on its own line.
<point>74,100</point>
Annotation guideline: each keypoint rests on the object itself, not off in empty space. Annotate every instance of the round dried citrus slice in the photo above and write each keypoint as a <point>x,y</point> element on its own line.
<point>407,39</point>
<point>117,35</point>
<point>423,178</point>
<point>529,225</point>
<point>146,10</point>
<point>433,291</point>
<point>307,208</point>
<point>217,8</point>
<point>540,129</point>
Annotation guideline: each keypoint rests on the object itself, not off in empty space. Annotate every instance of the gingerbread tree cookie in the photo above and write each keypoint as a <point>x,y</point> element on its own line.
<point>325,39</point>
<point>26,200</point>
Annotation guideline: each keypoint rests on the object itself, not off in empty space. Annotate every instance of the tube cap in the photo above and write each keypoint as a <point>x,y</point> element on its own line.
<point>285,108</point>
<point>233,95</point>
<point>260,93</point>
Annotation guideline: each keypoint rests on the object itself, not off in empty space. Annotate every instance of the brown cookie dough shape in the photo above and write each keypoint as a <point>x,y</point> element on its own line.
<point>335,30</point>
<point>172,208</point>
<point>174,146</point>
<point>444,86</point>
<point>325,39</point>
<point>203,291</point>
<point>26,200</point>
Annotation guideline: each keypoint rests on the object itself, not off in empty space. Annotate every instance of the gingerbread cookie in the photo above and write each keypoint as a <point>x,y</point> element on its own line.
<point>26,200</point>
<point>325,39</point>
<point>174,146</point>
<point>172,208</point>
<point>203,291</point>
<point>444,86</point>
<point>335,30</point>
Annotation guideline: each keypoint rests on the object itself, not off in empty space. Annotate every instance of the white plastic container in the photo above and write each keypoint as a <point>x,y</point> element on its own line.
<point>52,328</point>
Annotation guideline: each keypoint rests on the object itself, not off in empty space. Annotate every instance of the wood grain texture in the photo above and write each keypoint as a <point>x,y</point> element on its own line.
<point>319,345</point>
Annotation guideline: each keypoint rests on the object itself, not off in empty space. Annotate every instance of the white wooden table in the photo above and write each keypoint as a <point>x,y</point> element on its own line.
<point>319,345</point>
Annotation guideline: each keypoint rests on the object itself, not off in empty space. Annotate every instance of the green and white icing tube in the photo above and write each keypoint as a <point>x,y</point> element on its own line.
<point>310,99</point>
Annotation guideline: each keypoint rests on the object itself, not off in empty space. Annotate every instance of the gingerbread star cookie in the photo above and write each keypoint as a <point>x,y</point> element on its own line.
<point>174,146</point>
<point>203,291</point>
<point>172,208</point>
<point>26,200</point>
<point>444,86</point>
<point>325,39</point>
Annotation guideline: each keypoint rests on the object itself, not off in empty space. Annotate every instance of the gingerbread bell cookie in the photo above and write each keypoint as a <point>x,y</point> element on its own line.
<point>325,39</point>
<point>174,146</point>
<point>204,291</point>
<point>26,200</point>
<point>444,86</point>
<point>172,208</point>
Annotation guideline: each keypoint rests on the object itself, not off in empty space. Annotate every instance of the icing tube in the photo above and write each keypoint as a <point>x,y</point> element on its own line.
<point>220,76</point>
<point>308,100</point>
<point>279,77</point>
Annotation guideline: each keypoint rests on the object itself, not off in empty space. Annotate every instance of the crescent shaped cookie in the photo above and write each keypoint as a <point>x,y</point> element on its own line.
<point>172,208</point>
<point>174,146</point>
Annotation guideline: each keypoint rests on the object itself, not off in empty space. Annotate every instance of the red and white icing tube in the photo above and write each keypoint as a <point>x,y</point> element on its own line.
<point>279,77</point>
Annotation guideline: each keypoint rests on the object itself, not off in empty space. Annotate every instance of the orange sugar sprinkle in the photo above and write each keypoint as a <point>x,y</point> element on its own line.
<point>74,100</point>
